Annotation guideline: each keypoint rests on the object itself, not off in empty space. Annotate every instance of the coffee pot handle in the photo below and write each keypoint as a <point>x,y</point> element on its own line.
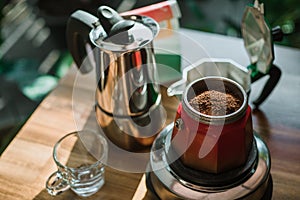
<point>274,76</point>
<point>79,25</point>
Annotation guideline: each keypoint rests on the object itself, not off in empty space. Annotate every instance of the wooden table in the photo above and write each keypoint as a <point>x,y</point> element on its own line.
<point>27,162</point>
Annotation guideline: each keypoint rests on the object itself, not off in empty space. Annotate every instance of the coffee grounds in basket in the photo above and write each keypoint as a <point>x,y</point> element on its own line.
<point>215,103</point>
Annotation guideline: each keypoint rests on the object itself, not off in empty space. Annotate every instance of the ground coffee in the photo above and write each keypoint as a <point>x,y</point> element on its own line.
<point>215,103</point>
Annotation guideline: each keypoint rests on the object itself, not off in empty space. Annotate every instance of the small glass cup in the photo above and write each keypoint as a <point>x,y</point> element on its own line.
<point>80,157</point>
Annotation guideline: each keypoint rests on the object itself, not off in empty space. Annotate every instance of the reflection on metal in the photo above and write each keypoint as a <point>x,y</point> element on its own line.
<point>257,37</point>
<point>258,41</point>
<point>167,184</point>
<point>128,99</point>
<point>212,67</point>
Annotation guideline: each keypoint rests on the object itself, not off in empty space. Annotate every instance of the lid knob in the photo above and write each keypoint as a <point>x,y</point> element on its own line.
<point>115,26</point>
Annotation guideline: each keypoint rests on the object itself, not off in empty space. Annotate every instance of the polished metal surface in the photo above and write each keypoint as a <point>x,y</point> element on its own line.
<point>127,82</point>
<point>128,95</point>
<point>126,73</point>
<point>132,134</point>
<point>212,67</point>
<point>143,32</point>
<point>257,37</point>
<point>168,185</point>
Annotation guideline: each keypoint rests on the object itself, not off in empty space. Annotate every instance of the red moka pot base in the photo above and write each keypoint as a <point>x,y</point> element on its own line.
<point>223,146</point>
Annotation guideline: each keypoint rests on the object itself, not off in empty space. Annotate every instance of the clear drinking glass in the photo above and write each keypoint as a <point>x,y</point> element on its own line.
<point>80,157</point>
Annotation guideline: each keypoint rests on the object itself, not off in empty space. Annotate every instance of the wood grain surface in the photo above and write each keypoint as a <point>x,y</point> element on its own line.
<point>27,162</point>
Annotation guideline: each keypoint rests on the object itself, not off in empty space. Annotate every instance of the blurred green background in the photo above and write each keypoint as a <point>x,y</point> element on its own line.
<point>224,17</point>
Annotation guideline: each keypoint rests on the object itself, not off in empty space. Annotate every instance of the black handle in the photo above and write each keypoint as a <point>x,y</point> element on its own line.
<point>275,74</point>
<point>277,34</point>
<point>79,25</point>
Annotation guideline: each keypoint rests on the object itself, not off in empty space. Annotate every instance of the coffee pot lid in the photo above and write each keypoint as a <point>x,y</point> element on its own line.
<point>117,33</point>
<point>257,37</point>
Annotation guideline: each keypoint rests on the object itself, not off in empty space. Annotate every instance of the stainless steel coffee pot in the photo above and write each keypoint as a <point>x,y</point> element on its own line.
<point>128,97</point>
